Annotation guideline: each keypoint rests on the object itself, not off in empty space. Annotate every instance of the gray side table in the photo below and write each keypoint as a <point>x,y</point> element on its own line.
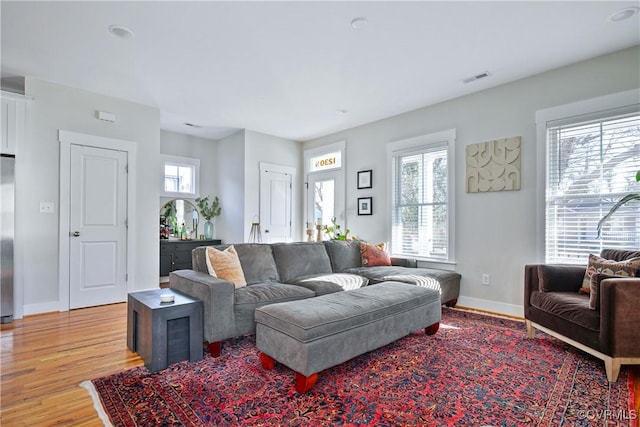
<point>164,333</point>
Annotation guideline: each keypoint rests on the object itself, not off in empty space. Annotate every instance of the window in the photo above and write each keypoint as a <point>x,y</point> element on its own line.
<point>591,163</point>
<point>180,177</point>
<point>421,201</point>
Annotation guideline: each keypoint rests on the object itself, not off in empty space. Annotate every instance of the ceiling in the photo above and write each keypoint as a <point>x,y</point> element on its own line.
<point>299,70</point>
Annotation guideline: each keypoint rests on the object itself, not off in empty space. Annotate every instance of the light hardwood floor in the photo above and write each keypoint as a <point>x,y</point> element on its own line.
<point>45,358</point>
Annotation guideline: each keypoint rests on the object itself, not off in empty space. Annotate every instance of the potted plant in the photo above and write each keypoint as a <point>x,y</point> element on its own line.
<point>626,199</point>
<point>208,212</point>
<point>333,231</point>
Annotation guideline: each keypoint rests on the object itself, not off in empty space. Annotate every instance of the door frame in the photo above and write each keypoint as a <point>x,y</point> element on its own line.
<point>340,174</point>
<point>66,139</point>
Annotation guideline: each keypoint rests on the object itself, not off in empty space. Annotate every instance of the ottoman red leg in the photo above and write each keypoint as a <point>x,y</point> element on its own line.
<point>304,384</point>
<point>267,361</point>
<point>430,330</point>
<point>215,348</point>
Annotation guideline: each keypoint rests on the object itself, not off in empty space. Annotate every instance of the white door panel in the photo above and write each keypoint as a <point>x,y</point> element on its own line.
<point>275,203</point>
<point>98,215</point>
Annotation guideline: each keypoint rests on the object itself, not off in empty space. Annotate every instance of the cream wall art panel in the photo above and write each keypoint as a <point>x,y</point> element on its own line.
<point>493,165</point>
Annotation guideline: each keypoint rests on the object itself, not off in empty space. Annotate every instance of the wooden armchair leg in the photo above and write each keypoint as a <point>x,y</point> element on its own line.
<point>612,368</point>
<point>531,332</point>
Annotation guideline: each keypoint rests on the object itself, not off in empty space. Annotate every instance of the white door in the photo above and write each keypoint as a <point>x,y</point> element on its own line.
<point>98,227</point>
<point>275,203</point>
<point>325,198</point>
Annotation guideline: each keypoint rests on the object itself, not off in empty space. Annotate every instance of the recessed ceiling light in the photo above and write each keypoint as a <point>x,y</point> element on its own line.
<point>122,32</point>
<point>623,14</point>
<point>359,23</point>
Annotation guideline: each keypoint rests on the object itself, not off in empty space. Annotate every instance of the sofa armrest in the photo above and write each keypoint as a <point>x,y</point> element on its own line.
<point>217,296</point>
<point>620,316</point>
<point>404,262</point>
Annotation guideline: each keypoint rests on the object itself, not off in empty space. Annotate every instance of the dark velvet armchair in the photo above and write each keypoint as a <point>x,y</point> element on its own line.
<point>609,331</point>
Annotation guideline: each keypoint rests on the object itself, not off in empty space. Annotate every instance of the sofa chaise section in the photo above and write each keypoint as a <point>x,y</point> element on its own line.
<point>346,258</point>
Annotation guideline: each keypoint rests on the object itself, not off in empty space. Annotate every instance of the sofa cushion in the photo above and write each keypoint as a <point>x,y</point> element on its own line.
<point>225,265</point>
<point>343,254</point>
<point>597,264</point>
<point>257,262</point>
<point>328,283</point>
<point>570,306</point>
<point>256,259</point>
<point>374,255</point>
<point>259,294</point>
<point>383,274</point>
<point>300,259</point>
<point>553,277</point>
<point>256,295</point>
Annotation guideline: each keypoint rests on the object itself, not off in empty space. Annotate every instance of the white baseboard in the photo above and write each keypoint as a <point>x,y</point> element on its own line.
<point>44,307</point>
<point>488,305</point>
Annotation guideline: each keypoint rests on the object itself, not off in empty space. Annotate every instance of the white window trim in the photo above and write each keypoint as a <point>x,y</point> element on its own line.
<point>324,149</point>
<point>421,142</point>
<point>182,161</point>
<point>575,109</point>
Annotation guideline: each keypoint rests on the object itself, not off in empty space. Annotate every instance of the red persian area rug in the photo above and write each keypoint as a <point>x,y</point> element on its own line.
<point>476,370</point>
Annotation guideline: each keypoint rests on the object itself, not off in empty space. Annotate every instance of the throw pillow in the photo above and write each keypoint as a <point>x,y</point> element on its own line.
<point>594,296</point>
<point>374,255</point>
<point>626,268</point>
<point>226,265</point>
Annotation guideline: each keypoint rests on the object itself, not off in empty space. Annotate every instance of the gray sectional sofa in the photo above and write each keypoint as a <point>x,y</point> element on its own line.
<point>282,272</point>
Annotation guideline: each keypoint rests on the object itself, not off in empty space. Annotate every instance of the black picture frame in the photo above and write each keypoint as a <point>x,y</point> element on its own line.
<point>365,205</point>
<point>365,179</point>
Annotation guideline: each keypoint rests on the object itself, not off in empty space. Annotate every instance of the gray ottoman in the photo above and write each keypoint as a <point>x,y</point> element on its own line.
<point>317,333</point>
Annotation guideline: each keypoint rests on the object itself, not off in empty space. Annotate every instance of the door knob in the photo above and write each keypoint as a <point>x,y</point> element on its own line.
<point>76,234</point>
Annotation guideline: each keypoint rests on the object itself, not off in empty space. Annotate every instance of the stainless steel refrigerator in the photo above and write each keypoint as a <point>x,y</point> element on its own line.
<point>7,209</point>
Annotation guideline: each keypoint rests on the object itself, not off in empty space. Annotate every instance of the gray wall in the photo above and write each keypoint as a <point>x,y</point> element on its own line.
<point>239,156</point>
<point>231,151</point>
<point>495,232</point>
<point>37,180</point>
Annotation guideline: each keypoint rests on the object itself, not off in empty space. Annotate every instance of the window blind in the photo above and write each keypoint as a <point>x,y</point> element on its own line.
<point>420,220</point>
<point>591,164</point>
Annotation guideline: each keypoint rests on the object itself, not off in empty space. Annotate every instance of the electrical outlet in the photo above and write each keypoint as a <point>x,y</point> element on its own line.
<point>485,279</point>
<point>46,207</point>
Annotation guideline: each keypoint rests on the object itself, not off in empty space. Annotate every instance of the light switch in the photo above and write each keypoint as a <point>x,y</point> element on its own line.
<point>46,207</point>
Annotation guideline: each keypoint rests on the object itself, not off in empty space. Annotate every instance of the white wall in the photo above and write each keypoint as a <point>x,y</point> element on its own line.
<point>495,232</point>
<point>230,223</point>
<point>206,150</point>
<point>37,180</point>
<point>270,149</point>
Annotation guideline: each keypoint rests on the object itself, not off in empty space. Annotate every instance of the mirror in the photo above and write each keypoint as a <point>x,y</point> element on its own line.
<point>179,220</point>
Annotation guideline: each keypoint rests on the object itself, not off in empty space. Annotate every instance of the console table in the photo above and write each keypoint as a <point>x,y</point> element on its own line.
<point>164,333</point>
<point>176,254</point>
